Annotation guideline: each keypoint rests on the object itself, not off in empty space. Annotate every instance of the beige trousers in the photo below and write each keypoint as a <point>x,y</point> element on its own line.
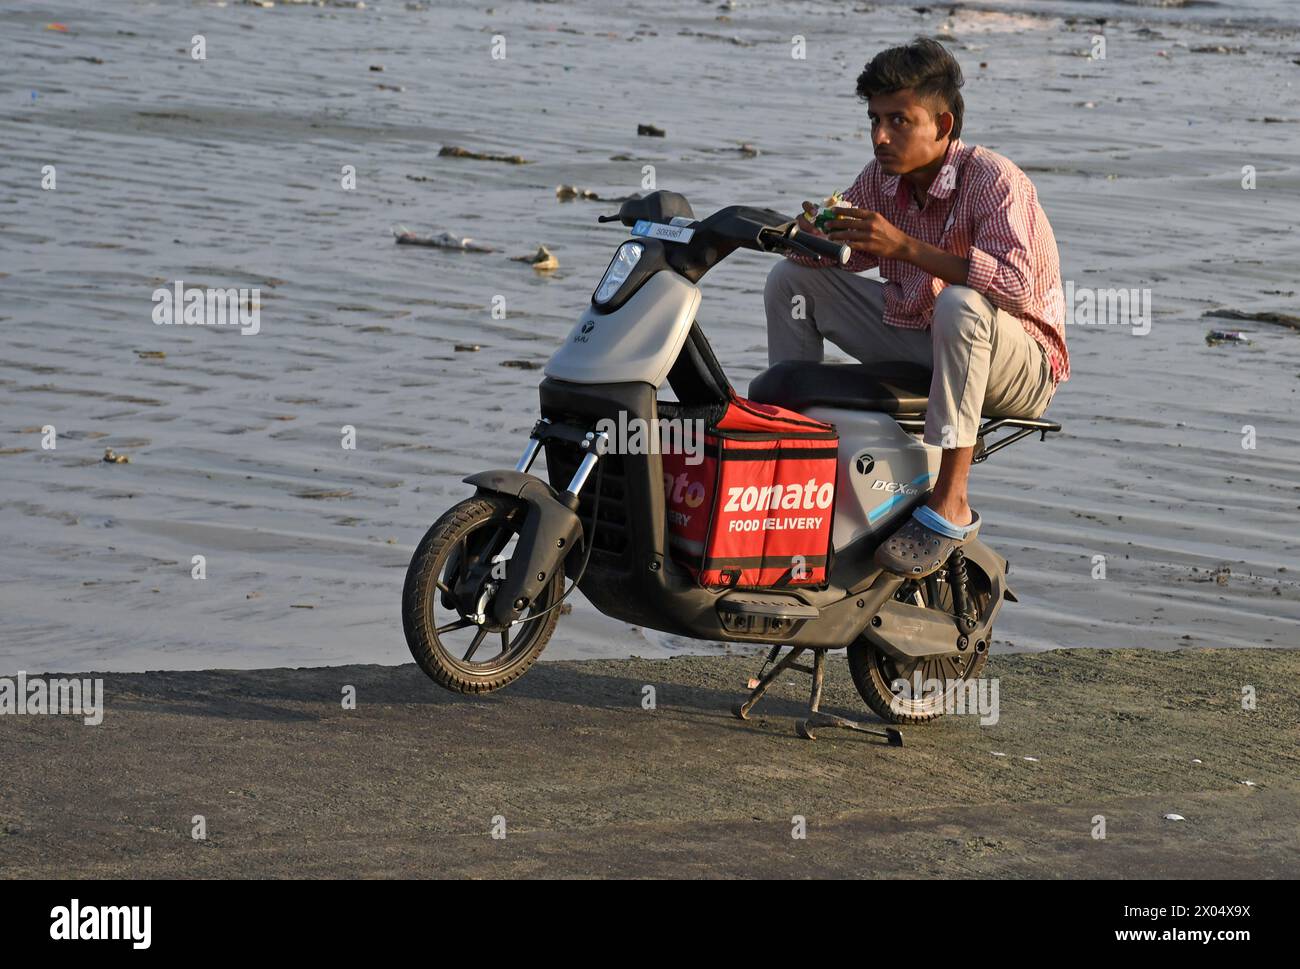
<point>983,361</point>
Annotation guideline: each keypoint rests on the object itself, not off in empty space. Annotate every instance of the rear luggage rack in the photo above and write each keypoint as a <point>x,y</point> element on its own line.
<point>915,424</point>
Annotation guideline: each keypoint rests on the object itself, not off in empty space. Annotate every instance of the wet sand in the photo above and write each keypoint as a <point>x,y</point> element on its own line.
<point>228,172</point>
<point>412,782</point>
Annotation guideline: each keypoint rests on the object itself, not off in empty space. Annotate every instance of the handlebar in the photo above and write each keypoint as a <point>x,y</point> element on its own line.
<point>817,246</point>
<point>717,236</point>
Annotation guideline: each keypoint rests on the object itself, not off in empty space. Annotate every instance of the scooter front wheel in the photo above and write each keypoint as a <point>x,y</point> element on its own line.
<point>447,600</point>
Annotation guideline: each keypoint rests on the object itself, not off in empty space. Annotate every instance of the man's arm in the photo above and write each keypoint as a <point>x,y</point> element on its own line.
<point>942,265</point>
<point>1000,263</point>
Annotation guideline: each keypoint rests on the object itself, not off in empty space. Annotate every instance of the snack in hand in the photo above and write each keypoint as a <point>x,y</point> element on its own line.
<point>827,212</point>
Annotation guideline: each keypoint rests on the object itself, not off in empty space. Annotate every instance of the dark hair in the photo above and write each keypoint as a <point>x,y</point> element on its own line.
<point>923,66</point>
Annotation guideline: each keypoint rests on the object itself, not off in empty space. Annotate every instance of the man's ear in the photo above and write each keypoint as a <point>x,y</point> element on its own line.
<point>943,122</point>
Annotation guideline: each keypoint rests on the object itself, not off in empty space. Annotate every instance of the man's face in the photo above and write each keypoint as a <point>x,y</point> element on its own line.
<point>904,132</point>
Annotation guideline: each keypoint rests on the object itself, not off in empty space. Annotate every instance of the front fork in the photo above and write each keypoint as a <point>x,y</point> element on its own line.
<point>551,526</point>
<point>594,444</point>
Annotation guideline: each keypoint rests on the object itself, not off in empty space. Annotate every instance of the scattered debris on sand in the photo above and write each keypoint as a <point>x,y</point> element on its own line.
<point>443,240</point>
<point>729,38</point>
<point>455,151</point>
<point>566,193</point>
<point>543,259</point>
<point>521,364</point>
<point>745,148</point>
<point>112,457</point>
<point>1216,337</point>
<point>650,130</point>
<point>151,354</point>
<point>467,348</point>
<point>1281,319</point>
<point>323,494</point>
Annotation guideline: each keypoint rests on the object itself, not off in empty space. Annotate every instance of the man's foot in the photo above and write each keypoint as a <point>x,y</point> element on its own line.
<point>924,543</point>
<point>955,513</point>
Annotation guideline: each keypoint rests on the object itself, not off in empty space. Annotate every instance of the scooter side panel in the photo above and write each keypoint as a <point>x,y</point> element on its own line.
<point>883,471</point>
<point>638,342</point>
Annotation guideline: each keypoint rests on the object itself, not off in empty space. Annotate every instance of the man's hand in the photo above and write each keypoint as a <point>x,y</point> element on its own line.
<point>805,221</point>
<point>870,232</point>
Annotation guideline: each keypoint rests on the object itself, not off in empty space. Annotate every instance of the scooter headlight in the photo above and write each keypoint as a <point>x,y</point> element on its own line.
<point>628,255</point>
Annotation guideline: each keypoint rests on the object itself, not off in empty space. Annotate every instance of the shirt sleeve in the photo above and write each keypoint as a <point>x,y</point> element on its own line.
<point>856,195</point>
<point>1000,257</point>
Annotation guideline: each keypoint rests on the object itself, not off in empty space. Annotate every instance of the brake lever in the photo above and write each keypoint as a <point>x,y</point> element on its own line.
<point>789,239</point>
<point>774,236</point>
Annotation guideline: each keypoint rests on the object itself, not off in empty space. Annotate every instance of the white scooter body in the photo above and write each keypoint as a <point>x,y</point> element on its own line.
<point>881,466</point>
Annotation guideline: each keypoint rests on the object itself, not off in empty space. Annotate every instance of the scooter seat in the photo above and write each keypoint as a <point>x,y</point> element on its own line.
<point>890,388</point>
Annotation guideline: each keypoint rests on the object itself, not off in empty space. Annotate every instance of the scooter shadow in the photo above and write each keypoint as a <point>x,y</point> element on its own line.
<point>550,683</point>
<point>313,694</point>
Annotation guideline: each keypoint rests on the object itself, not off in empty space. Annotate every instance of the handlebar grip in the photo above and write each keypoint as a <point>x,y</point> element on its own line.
<point>837,251</point>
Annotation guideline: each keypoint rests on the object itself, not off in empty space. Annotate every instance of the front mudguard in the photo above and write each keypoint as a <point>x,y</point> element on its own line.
<point>550,531</point>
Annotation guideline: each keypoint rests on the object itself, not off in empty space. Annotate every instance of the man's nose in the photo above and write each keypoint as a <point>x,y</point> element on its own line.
<point>879,136</point>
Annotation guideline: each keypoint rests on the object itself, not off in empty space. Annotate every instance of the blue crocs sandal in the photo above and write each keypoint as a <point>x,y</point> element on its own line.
<point>924,543</point>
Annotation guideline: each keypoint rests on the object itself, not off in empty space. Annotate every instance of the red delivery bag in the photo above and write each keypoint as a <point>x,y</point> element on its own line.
<point>756,512</point>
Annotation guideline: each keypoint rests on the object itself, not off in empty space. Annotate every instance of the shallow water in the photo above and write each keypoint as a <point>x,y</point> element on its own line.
<point>1254,13</point>
<point>227,172</point>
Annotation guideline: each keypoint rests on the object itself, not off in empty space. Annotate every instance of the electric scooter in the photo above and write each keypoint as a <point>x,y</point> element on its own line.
<point>485,586</point>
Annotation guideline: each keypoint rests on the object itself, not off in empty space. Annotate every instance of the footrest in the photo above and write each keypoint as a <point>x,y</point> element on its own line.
<point>763,614</point>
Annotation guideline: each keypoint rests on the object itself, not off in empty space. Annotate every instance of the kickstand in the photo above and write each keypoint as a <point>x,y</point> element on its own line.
<point>815,717</point>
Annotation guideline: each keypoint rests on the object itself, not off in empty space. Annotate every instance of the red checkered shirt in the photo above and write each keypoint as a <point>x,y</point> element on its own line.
<point>983,208</point>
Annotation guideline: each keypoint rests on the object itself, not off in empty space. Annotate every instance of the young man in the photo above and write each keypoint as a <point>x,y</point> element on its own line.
<point>973,284</point>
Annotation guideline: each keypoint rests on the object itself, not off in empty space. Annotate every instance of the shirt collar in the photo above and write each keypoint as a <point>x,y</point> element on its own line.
<point>943,185</point>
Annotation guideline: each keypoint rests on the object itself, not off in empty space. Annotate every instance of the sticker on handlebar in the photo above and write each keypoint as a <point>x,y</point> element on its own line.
<point>657,230</point>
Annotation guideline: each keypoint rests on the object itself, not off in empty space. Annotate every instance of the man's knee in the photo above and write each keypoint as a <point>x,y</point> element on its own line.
<point>781,276</point>
<point>959,311</point>
<point>784,288</point>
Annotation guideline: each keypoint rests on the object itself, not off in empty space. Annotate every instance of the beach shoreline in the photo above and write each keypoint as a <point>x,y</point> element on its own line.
<point>580,779</point>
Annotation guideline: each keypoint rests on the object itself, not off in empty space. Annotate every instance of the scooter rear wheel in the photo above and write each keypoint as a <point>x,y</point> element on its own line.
<point>875,672</point>
<point>447,600</point>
